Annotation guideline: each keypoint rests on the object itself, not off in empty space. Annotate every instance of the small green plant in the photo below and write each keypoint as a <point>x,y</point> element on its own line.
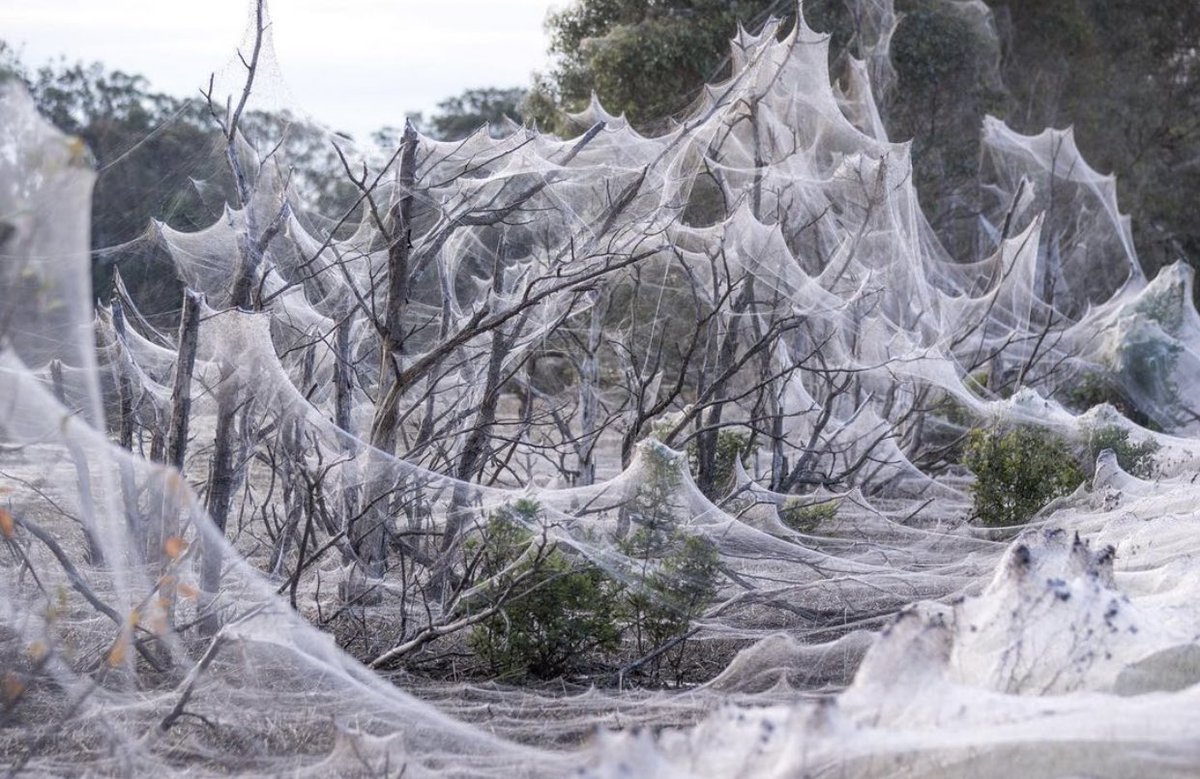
<point>1137,459</point>
<point>951,410</point>
<point>1164,305</point>
<point>1018,470</point>
<point>806,517</point>
<point>1085,391</point>
<point>674,572</point>
<point>729,447</point>
<point>556,609</point>
<point>671,592</point>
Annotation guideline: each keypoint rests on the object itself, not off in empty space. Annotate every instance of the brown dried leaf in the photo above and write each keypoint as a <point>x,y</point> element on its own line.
<point>174,547</point>
<point>13,687</point>
<point>118,651</point>
<point>175,485</point>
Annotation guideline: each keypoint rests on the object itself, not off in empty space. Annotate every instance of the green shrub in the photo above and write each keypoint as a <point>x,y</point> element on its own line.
<point>806,517</point>
<point>1085,391</point>
<point>729,447</point>
<point>1018,470</point>
<point>1137,459</point>
<point>674,572</point>
<point>553,619</point>
<point>668,596</point>
<point>557,611</point>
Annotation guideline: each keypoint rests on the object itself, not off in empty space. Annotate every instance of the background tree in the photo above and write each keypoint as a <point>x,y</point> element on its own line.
<point>459,116</point>
<point>1123,73</point>
<point>1126,75</point>
<point>143,142</point>
<point>646,60</point>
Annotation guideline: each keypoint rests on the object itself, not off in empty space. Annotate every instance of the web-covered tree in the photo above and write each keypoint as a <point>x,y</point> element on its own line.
<point>674,570</point>
<point>145,144</point>
<point>1124,74</point>
<point>646,60</point>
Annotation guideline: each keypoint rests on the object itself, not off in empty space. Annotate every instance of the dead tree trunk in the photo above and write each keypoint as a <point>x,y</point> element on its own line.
<point>221,482</point>
<point>122,364</point>
<point>368,532</point>
<point>383,427</point>
<point>589,395</point>
<point>181,390</point>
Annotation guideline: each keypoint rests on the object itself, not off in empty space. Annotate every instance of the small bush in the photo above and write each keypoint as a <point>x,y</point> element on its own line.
<point>1018,471</point>
<point>1137,459</point>
<point>730,446</point>
<point>1091,389</point>
<point>552,620</point>
<point>662,605</point>
<point>675,572</point>
<point>806,518</point>
<point>559,612</point>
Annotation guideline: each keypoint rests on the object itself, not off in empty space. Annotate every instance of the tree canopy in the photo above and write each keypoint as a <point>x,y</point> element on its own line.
<point>1125,74</point>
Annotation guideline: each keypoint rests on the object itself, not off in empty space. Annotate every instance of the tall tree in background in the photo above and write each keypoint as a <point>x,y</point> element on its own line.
<point>459,116</point>
<point>646,60</point>
<point>133,132</point>
<point>649,60</point>
<point>1126,74</point>
<point>143,142</point>
<point>167,152</point>
<point>947,72</point>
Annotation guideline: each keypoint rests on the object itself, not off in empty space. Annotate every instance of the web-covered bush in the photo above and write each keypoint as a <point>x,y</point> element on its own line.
<point>804,516</point>
<point>555,609</point>
<point>1093,388</point>
<point>1134,458</point>
<point>1018,470</point>
<point>676,573</point>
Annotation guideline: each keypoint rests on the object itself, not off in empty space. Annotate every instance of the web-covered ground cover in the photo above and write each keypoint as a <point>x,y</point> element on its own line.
<point>718,379</point>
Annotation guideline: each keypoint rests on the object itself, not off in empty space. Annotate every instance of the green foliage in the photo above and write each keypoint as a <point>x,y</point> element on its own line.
<point>676,572</point>
<point>645,60</point>
<point>556,611</point>
<point>713,459</point>
<point>1148,365</point>
<point>1164,306</point>
<point>146,145</point>
<point>540,106</point>
<point>10,63</point>
<point>946,83</point>
<point>459,116</point>
<point>672,589</point>
<point>1018,470</point>
<point>948,408</point>
<point>1137,459</point>
<point>933,48</point>
<point>806,517</point>
<point>1087,390</point>
<point>1125,76</point>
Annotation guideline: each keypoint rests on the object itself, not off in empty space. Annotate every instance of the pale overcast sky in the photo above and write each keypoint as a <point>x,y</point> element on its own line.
<point>355,65</point>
